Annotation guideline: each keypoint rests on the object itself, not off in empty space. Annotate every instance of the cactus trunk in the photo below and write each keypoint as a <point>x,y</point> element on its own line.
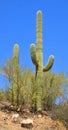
<point>15,67</point>
<point>39,56</point>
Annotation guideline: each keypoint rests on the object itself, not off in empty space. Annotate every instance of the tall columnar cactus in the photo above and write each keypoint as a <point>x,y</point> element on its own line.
<point>37,59</point>
<point>15,65</point>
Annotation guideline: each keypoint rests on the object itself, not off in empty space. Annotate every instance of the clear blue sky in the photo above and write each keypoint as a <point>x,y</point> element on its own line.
<point>18,25</point>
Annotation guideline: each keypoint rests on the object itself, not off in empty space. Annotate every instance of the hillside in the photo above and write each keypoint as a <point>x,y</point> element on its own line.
<point>41,121</point>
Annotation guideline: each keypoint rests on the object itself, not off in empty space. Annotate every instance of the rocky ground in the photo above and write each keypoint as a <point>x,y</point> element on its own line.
<point>10,120</point>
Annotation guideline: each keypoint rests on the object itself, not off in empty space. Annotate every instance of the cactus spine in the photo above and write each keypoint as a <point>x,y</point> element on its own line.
<point>15,67</point>
<point>37,59</point>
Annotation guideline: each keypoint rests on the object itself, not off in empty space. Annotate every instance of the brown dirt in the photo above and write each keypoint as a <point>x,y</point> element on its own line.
<point>40,122</point>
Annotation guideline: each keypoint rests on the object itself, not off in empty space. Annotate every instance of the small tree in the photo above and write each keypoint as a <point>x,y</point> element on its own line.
<point>52,88</point>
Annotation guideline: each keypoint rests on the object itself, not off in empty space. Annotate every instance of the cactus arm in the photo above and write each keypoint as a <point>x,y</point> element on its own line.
<point>16,51</point>
<point>49,64</point>
<point>33,54</point>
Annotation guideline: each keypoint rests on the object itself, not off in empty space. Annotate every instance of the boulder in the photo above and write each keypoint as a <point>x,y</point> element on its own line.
<point>28,123</point>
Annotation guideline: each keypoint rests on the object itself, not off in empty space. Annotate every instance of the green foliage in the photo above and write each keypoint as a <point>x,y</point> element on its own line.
<point>25,86</point>
<point>8,93</point>
<point>37,58</point>
<point>22,92</point>
<point>60,112</point>
<point>52,88</point>
<point>2,95</point>
<point>27,89</point>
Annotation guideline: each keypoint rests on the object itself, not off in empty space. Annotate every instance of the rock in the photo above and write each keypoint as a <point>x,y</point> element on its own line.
<point>44,113</point>
<point>26,111</point>
<point>28,123</point>
<point>15,118</point>
<point>11,107</point>
<point>4,117</point>
<point>39,116</point>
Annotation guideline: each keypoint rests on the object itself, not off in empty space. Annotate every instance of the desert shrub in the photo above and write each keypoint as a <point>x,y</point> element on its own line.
<point>61,112</point>
<point>2,95</point>
<point>52,88</point>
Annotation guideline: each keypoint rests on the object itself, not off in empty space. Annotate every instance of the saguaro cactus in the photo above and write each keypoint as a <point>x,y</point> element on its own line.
<point>15,67</point>
<point>37,59</point>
